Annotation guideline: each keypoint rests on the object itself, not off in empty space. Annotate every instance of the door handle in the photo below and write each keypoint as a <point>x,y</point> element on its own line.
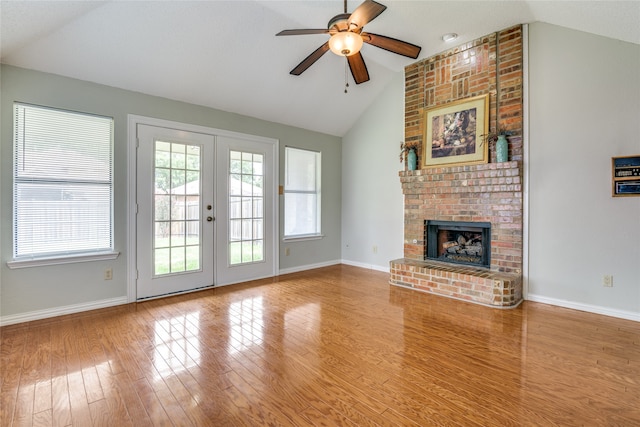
<point>210,218</point>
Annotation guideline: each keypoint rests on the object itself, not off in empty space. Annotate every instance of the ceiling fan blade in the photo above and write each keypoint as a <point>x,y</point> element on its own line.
<point>310,60</point>
<point>365,13</point>
<point>302,32</point>
<point>392,45</point>
<point>358,68</point>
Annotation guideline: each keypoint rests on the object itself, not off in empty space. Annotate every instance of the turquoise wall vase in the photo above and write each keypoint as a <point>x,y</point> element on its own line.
<point>502,149</point>
<point>411,160</point>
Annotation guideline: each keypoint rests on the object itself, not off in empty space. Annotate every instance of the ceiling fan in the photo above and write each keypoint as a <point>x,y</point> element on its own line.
<point>347,38</point>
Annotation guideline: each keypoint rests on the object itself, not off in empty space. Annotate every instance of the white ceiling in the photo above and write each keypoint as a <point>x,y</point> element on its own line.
<point>224,54</point>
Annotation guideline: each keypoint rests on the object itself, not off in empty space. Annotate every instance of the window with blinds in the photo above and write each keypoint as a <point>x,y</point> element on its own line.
<point>62,183</point>
<point>302,193</point>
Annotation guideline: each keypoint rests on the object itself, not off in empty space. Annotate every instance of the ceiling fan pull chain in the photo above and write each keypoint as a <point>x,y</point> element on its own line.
<point>346,76</point>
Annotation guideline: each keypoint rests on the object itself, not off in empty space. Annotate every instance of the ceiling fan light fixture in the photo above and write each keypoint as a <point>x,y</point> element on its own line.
<point>345,43</point>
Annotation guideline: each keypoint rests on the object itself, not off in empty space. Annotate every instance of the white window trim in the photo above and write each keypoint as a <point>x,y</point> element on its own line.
<point>303,237</point>
<point>67,259</point>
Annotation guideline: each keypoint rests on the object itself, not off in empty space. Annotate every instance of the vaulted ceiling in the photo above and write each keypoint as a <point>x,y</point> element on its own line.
<point>225,55</point>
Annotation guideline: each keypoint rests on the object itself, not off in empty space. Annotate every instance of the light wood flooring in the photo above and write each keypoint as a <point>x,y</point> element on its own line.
<point>336,346</point>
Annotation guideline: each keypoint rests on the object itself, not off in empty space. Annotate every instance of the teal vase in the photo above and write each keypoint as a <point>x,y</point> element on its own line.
<point>502,149</point>
<point>411,160</point>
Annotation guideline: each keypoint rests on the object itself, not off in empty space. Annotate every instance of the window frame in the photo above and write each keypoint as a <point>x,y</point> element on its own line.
<point>317,192</point>
<point>65,256</point>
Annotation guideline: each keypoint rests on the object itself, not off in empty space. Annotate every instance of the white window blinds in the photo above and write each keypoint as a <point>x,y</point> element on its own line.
<point>63,186</point>
<point>302,193</point>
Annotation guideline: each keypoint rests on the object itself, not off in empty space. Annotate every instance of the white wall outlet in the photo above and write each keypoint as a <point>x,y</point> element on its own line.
<point>375,249</point>
<point>607,281</point>
<point>108,274</point>
<point>287,251</point>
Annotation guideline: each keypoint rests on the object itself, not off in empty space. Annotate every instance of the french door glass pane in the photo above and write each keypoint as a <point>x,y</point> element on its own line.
<point>246,207</point>
<point>177,200</point>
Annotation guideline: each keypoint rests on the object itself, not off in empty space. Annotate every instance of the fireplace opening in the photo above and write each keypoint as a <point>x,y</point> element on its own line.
<point>458,242</point>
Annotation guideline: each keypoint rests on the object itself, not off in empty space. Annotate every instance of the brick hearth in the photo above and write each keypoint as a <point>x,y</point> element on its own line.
<point>477,285</point>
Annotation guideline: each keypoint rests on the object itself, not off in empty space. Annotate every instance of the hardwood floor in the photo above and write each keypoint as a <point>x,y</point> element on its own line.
<point>334,346</point>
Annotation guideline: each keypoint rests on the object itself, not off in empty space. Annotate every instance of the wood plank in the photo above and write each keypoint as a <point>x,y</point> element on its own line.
<point>24,406</point>
<point>134,406</point>
<point>100,414</point>
<point>115,403</point>
<point>80,412</point>
<point>60,404</point>
<point>172,407</point>
<point>43,419</point>
<point>11,351</point>
<point>42,398</point>
<point>151,403</point>
<point>92,384</point>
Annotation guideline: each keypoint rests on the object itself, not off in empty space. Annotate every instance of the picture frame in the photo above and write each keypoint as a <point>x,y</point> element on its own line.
<point>625,172</point>
<point>453,133</point>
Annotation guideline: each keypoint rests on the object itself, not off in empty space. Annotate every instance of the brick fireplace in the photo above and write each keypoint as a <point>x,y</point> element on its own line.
<point>482,193</point>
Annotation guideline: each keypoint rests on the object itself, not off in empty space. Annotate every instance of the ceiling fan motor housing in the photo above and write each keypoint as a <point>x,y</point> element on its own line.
<point>339,23</point>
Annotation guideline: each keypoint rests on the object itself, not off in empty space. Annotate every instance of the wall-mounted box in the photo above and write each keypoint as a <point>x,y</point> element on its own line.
<point>625,176</point>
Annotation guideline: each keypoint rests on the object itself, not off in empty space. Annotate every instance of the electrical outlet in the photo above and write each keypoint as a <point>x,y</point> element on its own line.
<point>375,249</point>
<point>108,274</point>
<point>287,251</point>
<point>607,281</point>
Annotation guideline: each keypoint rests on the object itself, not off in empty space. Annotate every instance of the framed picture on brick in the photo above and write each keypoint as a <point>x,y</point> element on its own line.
<point>452,132</point>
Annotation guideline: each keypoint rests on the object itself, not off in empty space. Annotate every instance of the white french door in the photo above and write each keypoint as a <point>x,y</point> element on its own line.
<point>206,208</point>
<point>246,243</point>
<point>175,226</point>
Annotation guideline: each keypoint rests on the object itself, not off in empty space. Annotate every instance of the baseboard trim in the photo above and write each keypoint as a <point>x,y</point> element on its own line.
<point>367,266</point>
<point>61,311</point>
<point>308,267</point>
<point>596,309</point>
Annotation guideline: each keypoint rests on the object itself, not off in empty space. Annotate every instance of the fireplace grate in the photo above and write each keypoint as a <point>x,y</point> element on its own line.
<point>458,242</point>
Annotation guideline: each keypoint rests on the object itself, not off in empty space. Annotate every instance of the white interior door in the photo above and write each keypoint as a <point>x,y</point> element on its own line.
<point>175,213</point>
<point>246,223</point>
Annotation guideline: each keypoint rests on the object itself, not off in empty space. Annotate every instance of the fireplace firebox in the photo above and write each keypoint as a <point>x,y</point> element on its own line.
<point>458,242</point>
